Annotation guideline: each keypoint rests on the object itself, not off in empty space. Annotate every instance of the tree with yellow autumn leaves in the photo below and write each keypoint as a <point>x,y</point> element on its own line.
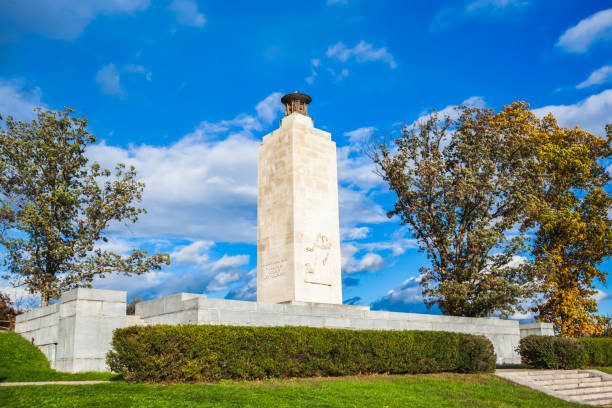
<point>481,188</point>
<point>573,226</point>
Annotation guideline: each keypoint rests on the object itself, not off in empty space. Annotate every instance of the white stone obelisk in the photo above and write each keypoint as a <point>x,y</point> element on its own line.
<point>298,234</point>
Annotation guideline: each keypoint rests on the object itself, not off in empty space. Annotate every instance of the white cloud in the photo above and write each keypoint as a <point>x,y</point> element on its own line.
<point>369,262</point>
<point>406,297</point>
<point>361,135</point>
<point>362,52</point>
<point>203,187</point>
<point>233,261</point>
<point>247,291</point>
<point>187,13</point>
<point>108,77</point>
<point>60,19</point>
<point>475,8</point>
<point>600,296</point>
<point>591,114</point>
<point>354,233</point>
<point>195,253</point>
<point>135,284</point>
<point>315,63</point>
<point>597,77</point>
<point>338,76</point>
<point>269,108</point>
<point>19,100</point>
<point>593,29</point>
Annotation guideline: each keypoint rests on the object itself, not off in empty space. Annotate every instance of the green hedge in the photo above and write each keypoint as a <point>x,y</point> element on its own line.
<point>552,352</point>
<point>598,351</point>
<point>190,353</point>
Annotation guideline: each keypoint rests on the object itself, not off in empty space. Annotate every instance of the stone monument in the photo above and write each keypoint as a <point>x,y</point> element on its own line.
<point>298,265</point>
<point>298,233</point>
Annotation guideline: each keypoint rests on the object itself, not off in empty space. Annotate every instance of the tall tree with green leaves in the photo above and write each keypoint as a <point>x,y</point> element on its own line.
<point>462,186</point>
<point>55,207</point>
<point>573,228</point>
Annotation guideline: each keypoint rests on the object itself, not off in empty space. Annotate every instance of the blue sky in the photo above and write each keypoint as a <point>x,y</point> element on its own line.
<point>185,90</point>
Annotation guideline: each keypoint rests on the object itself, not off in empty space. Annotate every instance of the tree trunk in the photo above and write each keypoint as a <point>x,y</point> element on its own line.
<point>44,300</point>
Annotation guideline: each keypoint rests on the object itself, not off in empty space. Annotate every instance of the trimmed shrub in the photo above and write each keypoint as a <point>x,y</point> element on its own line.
<point>192,353</point>
<point>598,350</point>
<point>552,352</point>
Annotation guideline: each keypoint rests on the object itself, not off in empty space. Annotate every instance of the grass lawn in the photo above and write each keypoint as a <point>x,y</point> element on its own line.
<point>433,390</point>
<point>21,361</point>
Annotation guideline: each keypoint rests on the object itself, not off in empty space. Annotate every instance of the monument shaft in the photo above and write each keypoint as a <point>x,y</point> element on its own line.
<point>298,234</point>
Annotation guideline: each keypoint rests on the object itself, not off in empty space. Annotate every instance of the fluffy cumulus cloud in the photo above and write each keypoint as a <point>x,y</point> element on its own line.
<point>18,99</point>
<point>194,268</point>
<point>599,76</point>
<point>269,108</point>
<point>354,233</point>
<point>362,52</point>
<point>59,19</point>
<point>451,14</point>
<point>589,31</point>
<point>591,114</point>
<point>406,297</point>
<point>369,262</point>
<point>203,187</point>
<point>186,12</point>
<point>246,291</point>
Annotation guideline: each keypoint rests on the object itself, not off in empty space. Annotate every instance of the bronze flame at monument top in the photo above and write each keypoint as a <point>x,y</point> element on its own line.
<point>296,102</point>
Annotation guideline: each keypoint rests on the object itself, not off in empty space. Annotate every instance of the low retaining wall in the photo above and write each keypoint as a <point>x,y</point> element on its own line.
<point>539,328</point>
<point>188,308</point>
<point>75,334</point>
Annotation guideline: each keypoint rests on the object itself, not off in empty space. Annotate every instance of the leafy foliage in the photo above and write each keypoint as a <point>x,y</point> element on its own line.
<point>462,185</point>
<point>574,229</point>
<point>55,207</point>
<point>552,352</point>
<point>598,350</point>
<point>130,309</point>
<point>8,311</point>
<point>192,353</point>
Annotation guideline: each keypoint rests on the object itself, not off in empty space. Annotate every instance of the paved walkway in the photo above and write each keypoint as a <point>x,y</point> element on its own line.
<point>14,384</point>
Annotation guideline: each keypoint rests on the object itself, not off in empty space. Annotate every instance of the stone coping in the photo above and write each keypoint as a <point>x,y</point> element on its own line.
<point>190,301</point>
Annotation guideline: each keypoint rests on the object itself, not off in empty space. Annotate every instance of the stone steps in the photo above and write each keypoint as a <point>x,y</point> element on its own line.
<point>589,387</point>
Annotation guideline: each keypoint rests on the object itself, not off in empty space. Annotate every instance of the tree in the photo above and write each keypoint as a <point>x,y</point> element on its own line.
<point>462,186</point>
<point>8,312</point>
<point>573,226</point>
<point>55,207</point>
<point>130,309</point>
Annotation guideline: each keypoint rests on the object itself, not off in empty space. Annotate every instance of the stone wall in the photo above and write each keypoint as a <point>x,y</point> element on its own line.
<point>187,308</point>
<point>75,333</point>
<point>539,328</point>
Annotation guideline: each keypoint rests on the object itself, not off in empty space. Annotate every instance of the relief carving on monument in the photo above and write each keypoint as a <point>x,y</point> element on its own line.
<point>274,269</point>
<point>318,268</point>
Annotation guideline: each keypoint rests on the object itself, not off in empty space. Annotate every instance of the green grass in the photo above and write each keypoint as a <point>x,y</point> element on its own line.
<point>431,390</point>
<point>21,361</point>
